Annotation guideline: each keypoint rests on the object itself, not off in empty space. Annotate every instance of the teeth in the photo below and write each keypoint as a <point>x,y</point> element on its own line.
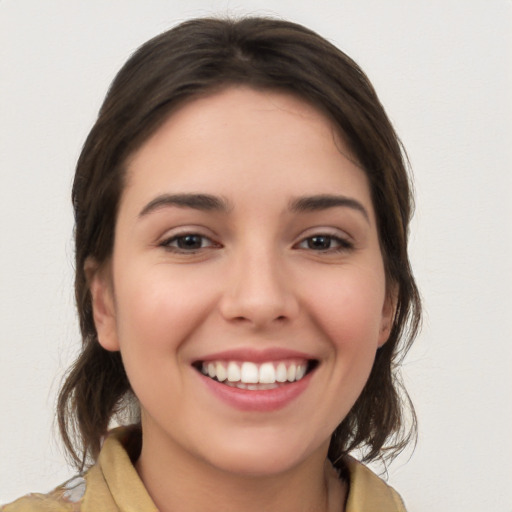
<point>281,373</point>
<point>249,375</point>
<point>259,387</point>
<point>233,372</point>
<point>267,373</point>
<point>221,372</point>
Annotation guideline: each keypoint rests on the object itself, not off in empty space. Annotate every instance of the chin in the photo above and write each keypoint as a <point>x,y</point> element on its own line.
<point>263,456</point>
<point>258,465</point>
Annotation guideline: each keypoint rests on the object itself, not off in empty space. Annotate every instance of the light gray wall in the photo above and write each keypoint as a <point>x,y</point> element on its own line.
<point>443,71</point>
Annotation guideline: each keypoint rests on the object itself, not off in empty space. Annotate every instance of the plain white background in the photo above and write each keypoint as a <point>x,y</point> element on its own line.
<point>443,70</point>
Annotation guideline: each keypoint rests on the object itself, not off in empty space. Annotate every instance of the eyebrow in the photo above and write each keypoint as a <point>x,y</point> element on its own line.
<point>326,201</point>
<point>205,202</point>
<point>208,202</point>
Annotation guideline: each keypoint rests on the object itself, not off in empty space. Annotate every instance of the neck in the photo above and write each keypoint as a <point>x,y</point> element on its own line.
<point>176,480</point>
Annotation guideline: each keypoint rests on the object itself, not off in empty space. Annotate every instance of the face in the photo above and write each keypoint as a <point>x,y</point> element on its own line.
<point>246,289</point>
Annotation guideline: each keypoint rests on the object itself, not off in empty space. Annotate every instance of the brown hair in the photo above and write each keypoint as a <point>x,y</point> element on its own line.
<point>198,57</point>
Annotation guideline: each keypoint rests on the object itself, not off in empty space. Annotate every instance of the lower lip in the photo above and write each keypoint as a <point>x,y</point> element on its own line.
<point>264,400</point>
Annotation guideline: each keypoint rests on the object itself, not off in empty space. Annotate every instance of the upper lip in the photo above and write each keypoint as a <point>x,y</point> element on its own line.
<point>255,355</point>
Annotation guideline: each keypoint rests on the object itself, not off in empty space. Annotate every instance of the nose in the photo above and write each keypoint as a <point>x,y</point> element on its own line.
<point>258,291</point>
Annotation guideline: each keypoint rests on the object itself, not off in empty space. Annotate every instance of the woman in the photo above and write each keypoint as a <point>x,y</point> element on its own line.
<point>242,281</point>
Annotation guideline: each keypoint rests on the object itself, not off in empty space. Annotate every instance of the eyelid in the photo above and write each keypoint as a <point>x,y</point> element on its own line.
<point>326,231</point>
<point>184,231</point>
<point>345,241</point>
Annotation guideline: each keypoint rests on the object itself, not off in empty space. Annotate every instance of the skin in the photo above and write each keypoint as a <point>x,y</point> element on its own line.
<point>258,279</point>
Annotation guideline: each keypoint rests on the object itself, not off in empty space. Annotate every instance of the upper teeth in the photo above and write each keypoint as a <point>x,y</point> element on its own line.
<point>252,373</point>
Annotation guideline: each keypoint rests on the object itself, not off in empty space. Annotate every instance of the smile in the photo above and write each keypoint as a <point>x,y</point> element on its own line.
<point>256,376</point>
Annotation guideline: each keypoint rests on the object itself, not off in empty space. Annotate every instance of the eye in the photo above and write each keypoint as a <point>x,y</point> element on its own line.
<point>188,242</point>
<point>325,243</point>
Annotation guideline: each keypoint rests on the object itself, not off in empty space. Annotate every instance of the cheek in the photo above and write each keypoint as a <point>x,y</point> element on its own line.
<point>160,308</point>
<point>156,310</point>
<point>351,312</point>
<point>350,317</point>
<point>155,317</point>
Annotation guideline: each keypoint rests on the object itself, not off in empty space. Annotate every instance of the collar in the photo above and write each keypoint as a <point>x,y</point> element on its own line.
<point>115,472</point>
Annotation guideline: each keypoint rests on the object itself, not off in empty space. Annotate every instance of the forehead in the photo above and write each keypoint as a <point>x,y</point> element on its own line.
<point>241,136</point>
<point>244,106</point>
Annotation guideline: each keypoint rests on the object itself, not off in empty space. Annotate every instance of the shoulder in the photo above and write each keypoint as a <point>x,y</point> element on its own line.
<point>66,498</point>
<point>369,492</point>
<point>111,484</point>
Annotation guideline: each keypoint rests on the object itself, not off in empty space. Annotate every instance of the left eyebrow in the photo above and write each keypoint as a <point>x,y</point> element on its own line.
<point>326,201</point>
<point>204,202</point>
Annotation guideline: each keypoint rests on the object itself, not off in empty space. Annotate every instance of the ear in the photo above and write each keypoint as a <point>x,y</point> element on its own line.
<point>103,305</point>
<point>388,313</point>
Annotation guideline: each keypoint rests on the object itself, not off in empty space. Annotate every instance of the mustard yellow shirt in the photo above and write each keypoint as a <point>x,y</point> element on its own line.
<point>113,485</point>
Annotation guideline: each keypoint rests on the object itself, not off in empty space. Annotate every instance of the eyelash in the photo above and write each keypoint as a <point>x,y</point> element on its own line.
<point>341,244</point>
<point>176,239</point>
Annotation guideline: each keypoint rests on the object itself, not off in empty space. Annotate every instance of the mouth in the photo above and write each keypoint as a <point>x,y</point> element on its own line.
<point>254,376</point>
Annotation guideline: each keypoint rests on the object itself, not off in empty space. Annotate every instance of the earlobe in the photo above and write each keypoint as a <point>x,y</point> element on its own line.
<point>102,297</point>
<point>388,315</point>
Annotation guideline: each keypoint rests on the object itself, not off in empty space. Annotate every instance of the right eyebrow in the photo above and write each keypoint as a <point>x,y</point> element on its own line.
<point>326,201</point>
<point>205,202</point>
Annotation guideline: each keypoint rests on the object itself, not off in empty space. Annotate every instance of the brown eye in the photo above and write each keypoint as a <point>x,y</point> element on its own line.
<point>325,243</point>
<point>188,242</point>
<point>319,243</point>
